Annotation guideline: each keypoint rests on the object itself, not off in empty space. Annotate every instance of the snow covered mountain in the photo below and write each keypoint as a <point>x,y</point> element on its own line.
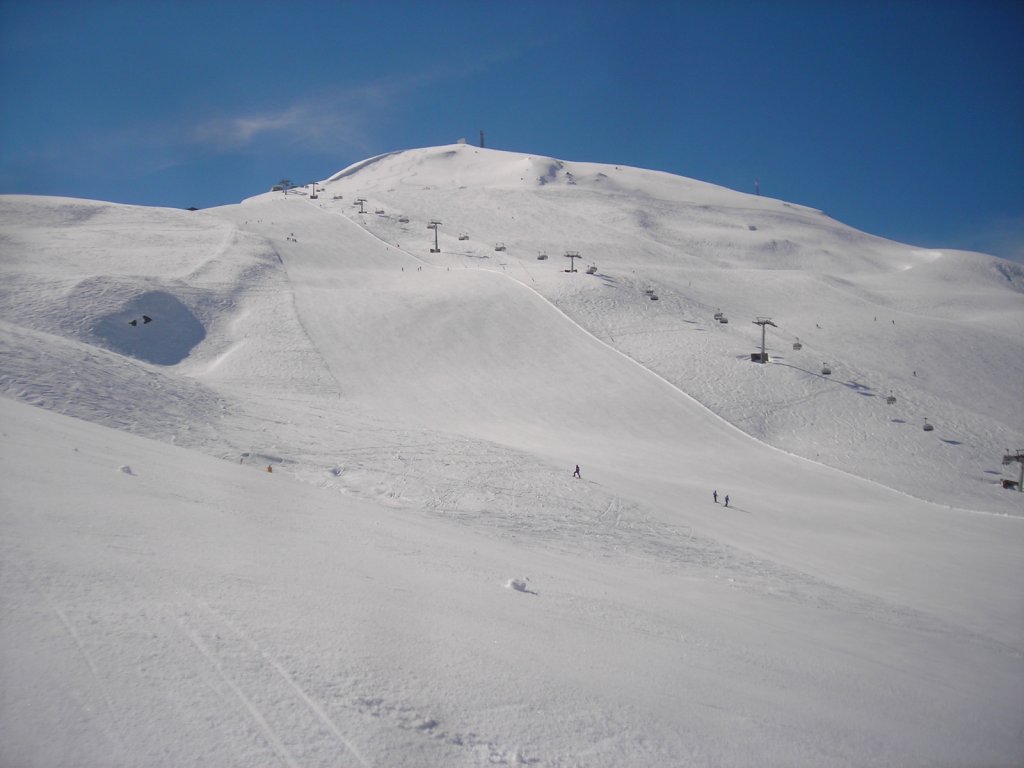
<point>428,404</point>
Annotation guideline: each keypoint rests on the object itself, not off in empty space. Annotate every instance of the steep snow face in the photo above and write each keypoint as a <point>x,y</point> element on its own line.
<point>939,331</point>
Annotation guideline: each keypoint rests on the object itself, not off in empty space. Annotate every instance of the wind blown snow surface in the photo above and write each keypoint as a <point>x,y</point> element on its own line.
<point>297,490</point>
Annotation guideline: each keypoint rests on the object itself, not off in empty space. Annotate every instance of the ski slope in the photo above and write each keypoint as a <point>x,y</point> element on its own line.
<point>420,580</point>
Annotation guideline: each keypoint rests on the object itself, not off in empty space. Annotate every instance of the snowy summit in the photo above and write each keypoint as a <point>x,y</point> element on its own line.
<point>291,482</point>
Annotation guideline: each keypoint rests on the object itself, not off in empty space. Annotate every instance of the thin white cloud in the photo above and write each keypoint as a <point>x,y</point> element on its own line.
<point>313,124</point>
<point>321,120</point>
<point>335,117</point>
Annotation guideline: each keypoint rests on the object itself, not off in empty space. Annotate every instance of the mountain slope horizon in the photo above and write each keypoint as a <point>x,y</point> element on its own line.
<point>890,322</point>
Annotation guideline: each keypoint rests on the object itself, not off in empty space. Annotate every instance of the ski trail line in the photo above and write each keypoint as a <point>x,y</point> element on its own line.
<point>275,665</point>
<point>268,732</point>
<point>90,662</point>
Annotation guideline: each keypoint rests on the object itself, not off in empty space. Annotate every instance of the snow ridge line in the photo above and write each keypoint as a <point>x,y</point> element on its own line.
<point>356,167</point>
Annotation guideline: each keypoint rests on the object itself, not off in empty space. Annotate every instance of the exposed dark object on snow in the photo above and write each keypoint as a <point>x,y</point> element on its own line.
<point>146,319</point>
<point>133,322</point>
<point>757,357</point>
<point>1010,485</point>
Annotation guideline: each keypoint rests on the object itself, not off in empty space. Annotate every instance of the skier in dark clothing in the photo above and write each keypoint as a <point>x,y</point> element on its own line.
<point>577,472</point>
<point>727,499</point>
<point>714,495</point>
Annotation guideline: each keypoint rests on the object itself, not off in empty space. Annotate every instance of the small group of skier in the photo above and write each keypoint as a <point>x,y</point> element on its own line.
<point>714,493</point>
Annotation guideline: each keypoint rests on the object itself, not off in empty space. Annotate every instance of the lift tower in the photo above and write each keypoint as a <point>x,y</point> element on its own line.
<point>764,321</point>
<point>434,224</point>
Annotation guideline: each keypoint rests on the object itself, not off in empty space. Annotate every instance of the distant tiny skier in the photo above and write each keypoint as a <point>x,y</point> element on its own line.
<point>714,495</point>
<point>577,472</point>
<point>727,499</point>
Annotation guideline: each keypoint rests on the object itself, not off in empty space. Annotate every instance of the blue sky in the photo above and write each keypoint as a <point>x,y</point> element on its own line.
<point>904,119</point>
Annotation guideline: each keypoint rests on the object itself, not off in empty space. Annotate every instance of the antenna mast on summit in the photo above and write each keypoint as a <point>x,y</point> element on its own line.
<point>481,138</point>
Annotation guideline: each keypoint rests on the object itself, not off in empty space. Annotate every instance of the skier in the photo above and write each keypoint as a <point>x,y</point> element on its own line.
<point>577,472</point>
<point>714,495</point>
<point>727,499</point>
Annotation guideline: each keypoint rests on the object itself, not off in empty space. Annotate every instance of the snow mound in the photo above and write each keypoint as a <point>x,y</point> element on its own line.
<point>519,585</point>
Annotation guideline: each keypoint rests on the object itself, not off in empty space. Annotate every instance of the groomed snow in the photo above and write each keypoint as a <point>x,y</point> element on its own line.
<point>319,510</point>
